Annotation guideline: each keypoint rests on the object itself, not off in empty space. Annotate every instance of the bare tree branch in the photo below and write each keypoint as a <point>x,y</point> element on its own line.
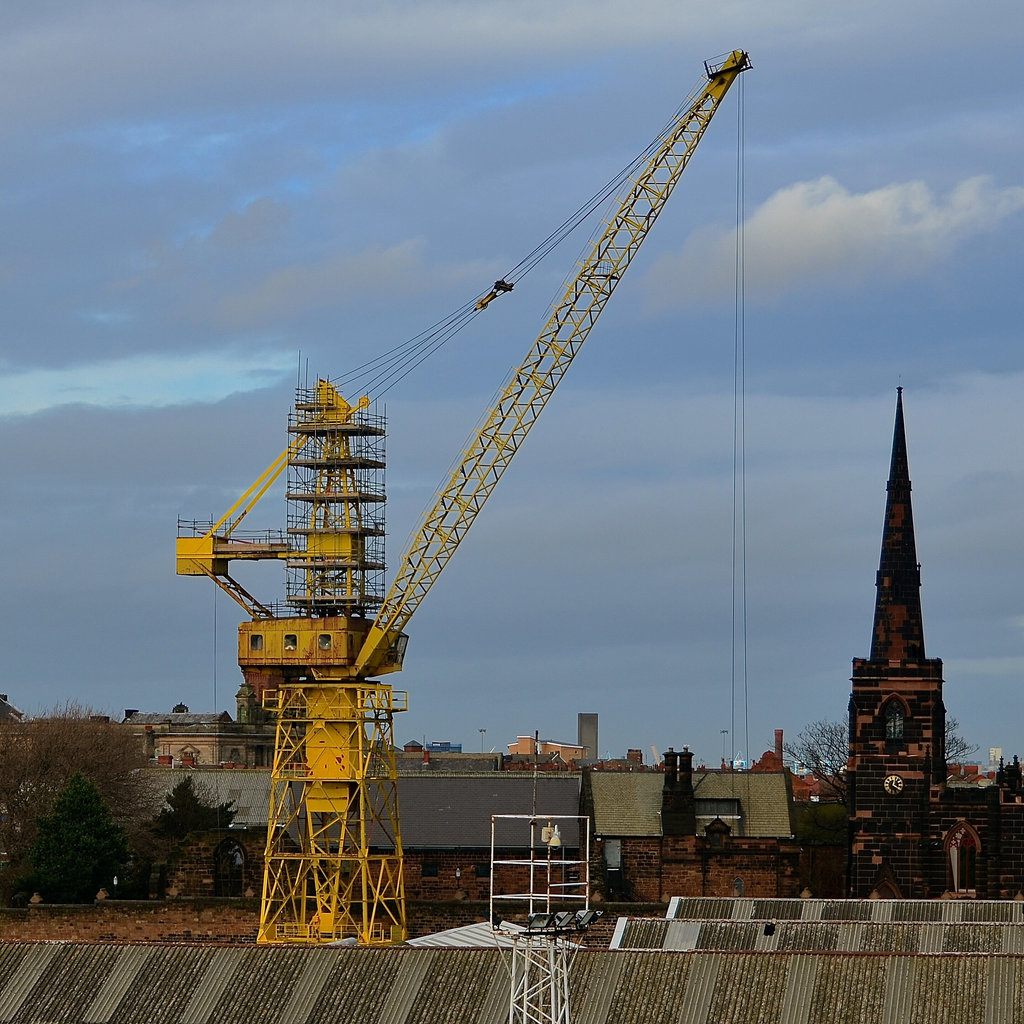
<point>823,748</point>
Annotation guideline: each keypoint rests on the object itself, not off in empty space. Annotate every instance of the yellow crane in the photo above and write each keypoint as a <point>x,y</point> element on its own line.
<point>333,859</point>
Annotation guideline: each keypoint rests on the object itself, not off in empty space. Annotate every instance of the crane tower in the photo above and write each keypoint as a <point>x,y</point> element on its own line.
<point>333,857</point>
<point>334,850</point>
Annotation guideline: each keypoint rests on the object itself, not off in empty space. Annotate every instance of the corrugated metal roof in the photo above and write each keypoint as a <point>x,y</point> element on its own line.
<point>822,936</point>
<point>130,962</point>
<point>249,788</point>
<point>469,936</point>
<point>281,985</point>
<point>32,964</point>
<point>729,908</point>
<point>211,985</point>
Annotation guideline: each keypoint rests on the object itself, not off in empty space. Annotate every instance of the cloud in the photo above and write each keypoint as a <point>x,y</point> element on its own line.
<point>816,233</point>
<point>401,269</point>
<point>142,380</point>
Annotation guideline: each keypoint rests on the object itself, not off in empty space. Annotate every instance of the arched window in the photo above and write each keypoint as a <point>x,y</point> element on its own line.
<point>228,869</point>
<point>962,849</point>
<point>893,722</point>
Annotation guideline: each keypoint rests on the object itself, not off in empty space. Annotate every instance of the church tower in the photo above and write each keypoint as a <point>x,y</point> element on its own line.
<point>897,760</point>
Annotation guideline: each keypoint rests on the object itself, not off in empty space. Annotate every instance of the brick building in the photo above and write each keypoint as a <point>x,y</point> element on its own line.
<point>913,834</point>
<point>446,830</point>
<point>686,833</point>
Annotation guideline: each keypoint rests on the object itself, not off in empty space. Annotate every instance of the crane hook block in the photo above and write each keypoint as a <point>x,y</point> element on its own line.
<point>499,287</point>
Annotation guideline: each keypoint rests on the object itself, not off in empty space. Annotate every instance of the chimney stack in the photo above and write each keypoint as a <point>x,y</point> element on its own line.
<point>678,808</point>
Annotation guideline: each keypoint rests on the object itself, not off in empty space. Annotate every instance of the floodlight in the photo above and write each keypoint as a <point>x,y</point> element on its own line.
<point>539,922</point>
<point>565,919</point>
<point>585,918</point>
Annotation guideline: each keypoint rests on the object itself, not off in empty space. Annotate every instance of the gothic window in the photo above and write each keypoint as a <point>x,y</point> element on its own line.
<point>228,869</point>
<point>893,722</point>
<point>962,849</point>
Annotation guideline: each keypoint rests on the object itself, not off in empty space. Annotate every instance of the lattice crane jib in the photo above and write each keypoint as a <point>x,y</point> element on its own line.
<point>334,849</point>
<point>525,395</point>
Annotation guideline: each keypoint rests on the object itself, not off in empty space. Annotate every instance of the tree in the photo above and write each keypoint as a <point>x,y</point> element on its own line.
<point>79,848</point>
<point>823,748</point>
<point>958,750</point>
<point>190,808</point>
<point>39,756</point>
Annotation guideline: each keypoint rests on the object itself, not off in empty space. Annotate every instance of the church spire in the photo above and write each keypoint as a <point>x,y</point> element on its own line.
<point>899,628</point>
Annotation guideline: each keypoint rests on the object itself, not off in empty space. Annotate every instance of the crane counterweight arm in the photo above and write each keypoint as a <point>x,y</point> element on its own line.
<point>506,425</point>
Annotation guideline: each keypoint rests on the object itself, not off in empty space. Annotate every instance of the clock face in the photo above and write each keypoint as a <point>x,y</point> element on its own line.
<point>893,784</point>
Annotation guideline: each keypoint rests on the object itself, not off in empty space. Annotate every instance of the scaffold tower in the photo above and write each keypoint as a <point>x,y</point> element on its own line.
<point>550,885</point>
<point>335,505</point>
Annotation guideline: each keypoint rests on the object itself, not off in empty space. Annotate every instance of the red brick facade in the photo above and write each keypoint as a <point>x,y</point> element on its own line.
<point>658,868</point>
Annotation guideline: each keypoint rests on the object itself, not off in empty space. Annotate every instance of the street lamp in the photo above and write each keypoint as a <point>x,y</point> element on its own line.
<point>482,732</point>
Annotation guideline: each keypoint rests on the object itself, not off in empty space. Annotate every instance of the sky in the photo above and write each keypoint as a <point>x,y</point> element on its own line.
<point>200,201</point>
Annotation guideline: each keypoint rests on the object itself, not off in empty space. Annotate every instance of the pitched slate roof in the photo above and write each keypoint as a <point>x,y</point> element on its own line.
<point>439,811</point>
<point>446,811</point>
<point>249,788</point>
<point>629,803</point>
<point>178,719</point>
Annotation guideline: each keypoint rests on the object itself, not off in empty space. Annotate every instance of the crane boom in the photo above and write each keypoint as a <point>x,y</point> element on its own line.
<point>491,450</point>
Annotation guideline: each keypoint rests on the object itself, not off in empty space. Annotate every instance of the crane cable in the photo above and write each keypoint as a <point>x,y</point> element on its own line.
<point>739,479</point>
<point>379,375</point>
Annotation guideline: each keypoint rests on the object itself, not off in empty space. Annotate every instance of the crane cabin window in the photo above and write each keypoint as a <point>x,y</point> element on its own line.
<point>324,641</point>
<point>291,641</point>
<point>255,641</point>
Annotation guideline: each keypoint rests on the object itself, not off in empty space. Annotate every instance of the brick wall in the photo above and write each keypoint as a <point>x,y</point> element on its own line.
<point>656,869</point>
<point>130,921</point>
<point>235,921</point>
<point>191,869</point>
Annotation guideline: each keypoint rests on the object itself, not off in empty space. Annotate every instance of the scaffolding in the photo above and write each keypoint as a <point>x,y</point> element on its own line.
<point>551,886</point>
<point>335,505</point>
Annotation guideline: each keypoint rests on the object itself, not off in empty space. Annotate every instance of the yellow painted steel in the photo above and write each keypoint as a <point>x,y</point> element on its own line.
<point>527,392</point>
<point>333,861</point>
<point>334,849</point>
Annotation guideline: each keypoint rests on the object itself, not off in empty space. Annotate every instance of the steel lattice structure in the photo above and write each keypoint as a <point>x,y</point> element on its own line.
<point>334,782</point>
